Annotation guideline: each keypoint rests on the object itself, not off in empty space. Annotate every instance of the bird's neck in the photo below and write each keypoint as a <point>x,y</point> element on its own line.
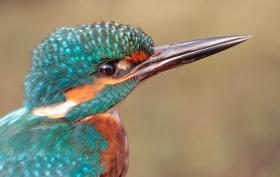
<point>115,158</point>
<point>109,125</point>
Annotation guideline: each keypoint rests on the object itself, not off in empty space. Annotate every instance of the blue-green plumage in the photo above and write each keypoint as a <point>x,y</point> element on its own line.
<point>39,146</point>
<point>113,93</point>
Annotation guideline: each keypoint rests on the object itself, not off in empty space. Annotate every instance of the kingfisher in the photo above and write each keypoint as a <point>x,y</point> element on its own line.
<point>69,123</point>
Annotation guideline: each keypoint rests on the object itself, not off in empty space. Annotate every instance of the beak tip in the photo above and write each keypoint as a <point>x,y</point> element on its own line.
<point>230,41</point>
<point>241,38</point>
<point>249,36</point>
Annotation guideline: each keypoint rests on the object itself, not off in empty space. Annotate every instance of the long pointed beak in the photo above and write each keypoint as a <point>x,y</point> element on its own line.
<point>175,55</point>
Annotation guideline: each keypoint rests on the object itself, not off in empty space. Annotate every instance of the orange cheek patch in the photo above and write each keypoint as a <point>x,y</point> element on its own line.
<point>87,92</point>
<point>80,94</point>
<point>137,57</point>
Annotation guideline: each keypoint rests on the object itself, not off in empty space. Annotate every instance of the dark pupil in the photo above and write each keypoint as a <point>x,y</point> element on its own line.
<point>107,69</point>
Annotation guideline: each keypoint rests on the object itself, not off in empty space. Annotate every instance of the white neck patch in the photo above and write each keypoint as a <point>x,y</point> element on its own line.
<point>55,111</point>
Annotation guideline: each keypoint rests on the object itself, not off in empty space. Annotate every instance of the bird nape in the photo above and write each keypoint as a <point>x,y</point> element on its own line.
<point>69,124</point>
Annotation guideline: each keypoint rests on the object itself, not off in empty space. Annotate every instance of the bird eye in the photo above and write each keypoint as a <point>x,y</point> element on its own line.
<point>107,69</point>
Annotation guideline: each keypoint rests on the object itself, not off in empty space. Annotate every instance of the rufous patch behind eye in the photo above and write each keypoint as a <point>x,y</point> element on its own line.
<point>137,57</point>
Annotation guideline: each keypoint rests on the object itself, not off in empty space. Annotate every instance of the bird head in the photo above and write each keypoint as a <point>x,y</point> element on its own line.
<point>86,70</point>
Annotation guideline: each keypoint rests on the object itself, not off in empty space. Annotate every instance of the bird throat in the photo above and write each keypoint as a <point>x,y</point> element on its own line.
<point>115,158</point>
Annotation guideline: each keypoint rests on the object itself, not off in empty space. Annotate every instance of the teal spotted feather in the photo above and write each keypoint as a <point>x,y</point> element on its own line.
<point>38,146</point>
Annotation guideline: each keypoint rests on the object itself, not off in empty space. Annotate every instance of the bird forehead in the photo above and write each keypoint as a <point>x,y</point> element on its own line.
<point>92,43</point>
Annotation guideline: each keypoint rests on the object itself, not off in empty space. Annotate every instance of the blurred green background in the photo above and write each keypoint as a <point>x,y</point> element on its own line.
<point>218,117</point>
